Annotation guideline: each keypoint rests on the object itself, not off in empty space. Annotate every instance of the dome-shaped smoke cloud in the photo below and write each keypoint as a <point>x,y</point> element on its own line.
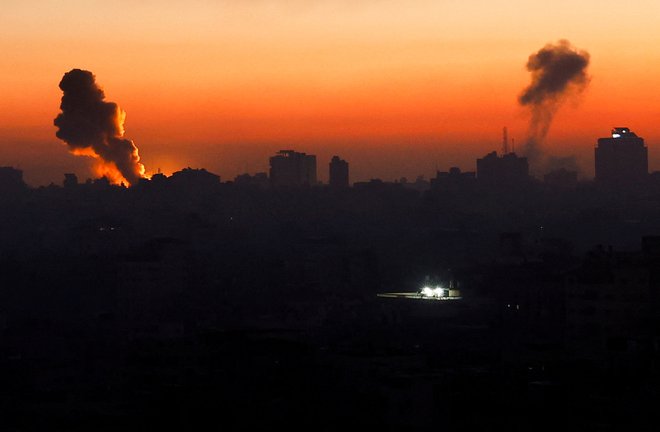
<point>88,124</point>
<point>557,72</point>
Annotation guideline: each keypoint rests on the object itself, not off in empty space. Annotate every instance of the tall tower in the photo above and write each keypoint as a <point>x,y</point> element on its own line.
<point>621,159</point>
<point>338,173</point>
<point>505,141</point>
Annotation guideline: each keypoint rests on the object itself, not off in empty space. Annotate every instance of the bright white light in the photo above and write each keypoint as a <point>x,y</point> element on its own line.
<point>616,135</point>
<point>433,292</point>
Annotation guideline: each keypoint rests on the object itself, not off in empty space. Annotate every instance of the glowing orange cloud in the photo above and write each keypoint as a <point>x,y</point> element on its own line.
<point>94,127</point>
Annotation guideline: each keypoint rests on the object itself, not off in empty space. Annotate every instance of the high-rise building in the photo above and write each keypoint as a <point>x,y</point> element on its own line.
<point>290,168</point>
<point>338,173</point>
<point>11,179</point>
<point>506,170</point>
<point>621,159</point>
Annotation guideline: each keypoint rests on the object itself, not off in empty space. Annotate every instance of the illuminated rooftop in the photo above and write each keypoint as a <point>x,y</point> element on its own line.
<point>619,132</point>
<point>427,293</point>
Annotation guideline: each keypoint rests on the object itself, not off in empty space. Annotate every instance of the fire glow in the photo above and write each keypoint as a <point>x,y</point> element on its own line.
<point>95,128</point>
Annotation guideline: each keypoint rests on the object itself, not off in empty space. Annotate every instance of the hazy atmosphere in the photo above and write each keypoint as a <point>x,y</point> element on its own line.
<point>399,88</point>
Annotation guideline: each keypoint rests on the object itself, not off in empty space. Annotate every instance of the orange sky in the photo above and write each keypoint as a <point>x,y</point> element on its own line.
<point>398,88</point>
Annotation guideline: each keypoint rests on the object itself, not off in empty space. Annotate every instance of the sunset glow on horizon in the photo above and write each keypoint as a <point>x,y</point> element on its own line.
<point>396,88</point>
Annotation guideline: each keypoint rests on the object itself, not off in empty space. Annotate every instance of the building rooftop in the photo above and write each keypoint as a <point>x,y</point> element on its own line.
<point>417,296</point>
<point>619,132</point>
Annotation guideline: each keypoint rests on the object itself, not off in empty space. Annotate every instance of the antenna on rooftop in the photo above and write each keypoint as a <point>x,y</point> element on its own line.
<point>505,141</point>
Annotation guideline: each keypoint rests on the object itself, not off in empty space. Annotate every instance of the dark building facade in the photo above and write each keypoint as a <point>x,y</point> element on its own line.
<point>454,179</point>
<point>11,179</point>
<point>290,168</point>
<point>506,170</point>
<point>621,159</point>
<point>612,301</point>
<point>338,172</point>
<point>258,180</point>
<point>194,178</point>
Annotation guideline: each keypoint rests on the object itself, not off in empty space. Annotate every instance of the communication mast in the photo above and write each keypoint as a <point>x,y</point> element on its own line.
<point>505,141</point>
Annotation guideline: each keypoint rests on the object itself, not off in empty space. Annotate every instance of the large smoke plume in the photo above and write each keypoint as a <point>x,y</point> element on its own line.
<point>558,72</point>
<point>94,127</point>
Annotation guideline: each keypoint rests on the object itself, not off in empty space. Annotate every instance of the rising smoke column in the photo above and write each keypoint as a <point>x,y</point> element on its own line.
<point>93,127</point>
<point>558,71</point>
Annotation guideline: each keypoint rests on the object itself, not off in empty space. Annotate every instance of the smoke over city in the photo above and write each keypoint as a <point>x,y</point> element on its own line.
<point>94,127</point>
<point>558,72</point>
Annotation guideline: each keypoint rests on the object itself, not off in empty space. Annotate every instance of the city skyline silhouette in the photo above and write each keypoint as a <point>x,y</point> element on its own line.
<point>329,215</point>
<point>396,96</point>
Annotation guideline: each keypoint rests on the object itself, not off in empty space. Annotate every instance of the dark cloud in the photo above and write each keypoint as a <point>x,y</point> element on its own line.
<point>89,125</point>
<point>558,71</point>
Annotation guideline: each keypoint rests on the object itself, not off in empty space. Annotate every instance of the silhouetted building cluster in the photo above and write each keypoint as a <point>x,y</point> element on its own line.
<point>259,180</point>
<point>454,179</point>
<point>506,170</point>
<point>612,303</point>
<point>184,300</point>
<point>194,178</point>
<point>292,169</point>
